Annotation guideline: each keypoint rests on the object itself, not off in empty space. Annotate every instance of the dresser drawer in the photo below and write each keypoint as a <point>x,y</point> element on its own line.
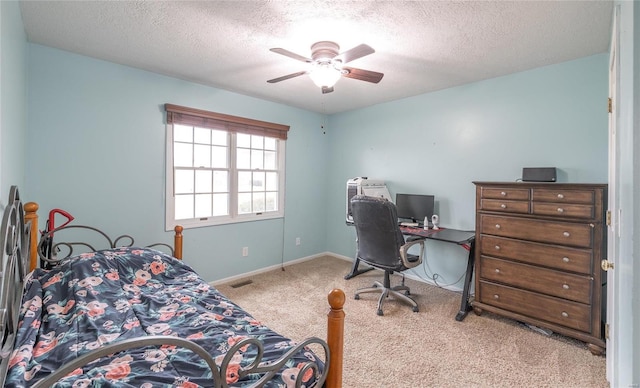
<point>568,210</point>
<point>505,193</point>
<point>552,256</point>
<point>564,233</point>
<point>505,206</point>
<point>564,196</point>
<point>538,279</point>
<point>563,312</point>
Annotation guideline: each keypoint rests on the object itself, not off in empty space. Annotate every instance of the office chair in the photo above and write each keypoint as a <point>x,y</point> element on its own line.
<point>382,245</point>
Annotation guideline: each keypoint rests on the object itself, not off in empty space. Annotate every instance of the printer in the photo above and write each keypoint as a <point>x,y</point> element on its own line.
<point>364,186</point>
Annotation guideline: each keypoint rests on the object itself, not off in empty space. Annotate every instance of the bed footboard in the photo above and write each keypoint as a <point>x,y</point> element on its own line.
<point>331,376</point>
<point>270,370</point>
<point>112,348</point>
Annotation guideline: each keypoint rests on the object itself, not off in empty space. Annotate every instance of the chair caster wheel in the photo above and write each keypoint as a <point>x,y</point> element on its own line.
<point>415,309</point>
<point>380,313</point>
<point>356,297</point>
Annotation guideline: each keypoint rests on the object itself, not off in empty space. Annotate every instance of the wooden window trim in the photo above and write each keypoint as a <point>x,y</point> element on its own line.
<point>201,118</point>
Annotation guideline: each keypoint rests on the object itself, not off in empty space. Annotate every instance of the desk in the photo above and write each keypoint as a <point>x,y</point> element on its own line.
<point>465,239</point>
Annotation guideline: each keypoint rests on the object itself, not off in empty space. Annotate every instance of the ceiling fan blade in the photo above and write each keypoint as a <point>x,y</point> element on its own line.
<point>285,77</point>
<point>355,53</point>
<point>289,54</point>
<point>326,89</point>
<point>362,75</point>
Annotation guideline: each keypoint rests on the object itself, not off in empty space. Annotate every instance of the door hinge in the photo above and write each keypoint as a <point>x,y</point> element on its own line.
<point>608,217</point>
<point>610,105</point>
<point>606,331</point>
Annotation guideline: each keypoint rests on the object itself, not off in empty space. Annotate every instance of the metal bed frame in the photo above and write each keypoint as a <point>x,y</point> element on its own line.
<point>16,259</point>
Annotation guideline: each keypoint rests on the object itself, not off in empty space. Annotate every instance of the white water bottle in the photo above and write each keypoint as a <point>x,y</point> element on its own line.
<point>426,223</point>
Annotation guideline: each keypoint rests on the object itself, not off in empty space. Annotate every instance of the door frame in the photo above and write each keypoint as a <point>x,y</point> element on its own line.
<point>613,229</point>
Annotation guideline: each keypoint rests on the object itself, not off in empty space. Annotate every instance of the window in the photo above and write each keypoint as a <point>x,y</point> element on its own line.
<point>222,169</point>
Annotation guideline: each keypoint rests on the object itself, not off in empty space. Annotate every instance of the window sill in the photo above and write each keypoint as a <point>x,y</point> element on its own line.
<point>215,221</point>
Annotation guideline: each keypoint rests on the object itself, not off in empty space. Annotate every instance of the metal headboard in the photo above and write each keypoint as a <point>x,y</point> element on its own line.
<point>51,253</point>
<point>14,266</point>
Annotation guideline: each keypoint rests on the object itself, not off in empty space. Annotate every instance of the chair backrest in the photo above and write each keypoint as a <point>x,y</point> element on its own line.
<point>378,233</point>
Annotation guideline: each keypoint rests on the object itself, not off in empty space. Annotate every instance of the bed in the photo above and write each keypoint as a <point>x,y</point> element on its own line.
<point>139,317</point>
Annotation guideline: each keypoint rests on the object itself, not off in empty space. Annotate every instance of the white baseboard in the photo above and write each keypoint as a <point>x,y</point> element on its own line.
<point>337,256</point>
<point>267,269</point>
<point>408,274</point>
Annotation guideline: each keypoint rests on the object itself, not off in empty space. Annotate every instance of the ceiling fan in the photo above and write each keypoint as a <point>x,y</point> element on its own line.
<point>327,65</point>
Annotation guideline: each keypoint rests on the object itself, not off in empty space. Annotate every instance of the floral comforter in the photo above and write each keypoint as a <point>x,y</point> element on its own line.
<point>113,295</point>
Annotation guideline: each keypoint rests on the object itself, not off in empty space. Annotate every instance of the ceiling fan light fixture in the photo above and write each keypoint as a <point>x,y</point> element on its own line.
<point>325,67</point>
<point>325,74</point>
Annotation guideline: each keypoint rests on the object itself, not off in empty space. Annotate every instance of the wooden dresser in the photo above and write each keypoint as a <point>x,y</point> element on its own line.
<point>538,253</point>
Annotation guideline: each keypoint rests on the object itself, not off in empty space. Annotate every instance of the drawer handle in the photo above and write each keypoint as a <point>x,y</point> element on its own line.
<point>565,314</point>
<point>496,296</point>
<point>560,196</point>
<point>497,226</point>
<point>497,270</point>
<point>503,193</point>
<point>497,247</point>
<point>565,286</point>
<point>560,210</point>
<point>566,234</point>
<point>565,259</point>
<point>504,206</point>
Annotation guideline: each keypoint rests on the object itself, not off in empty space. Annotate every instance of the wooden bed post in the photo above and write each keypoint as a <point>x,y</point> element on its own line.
<point>177,242</point>
<point>31,214</point>
<point>335,337</point>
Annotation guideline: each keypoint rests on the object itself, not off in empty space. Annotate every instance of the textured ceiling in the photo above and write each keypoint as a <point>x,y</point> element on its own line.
<point>421,46</point>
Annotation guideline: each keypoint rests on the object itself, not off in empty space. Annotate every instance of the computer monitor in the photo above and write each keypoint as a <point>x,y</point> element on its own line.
<point>414,207</point>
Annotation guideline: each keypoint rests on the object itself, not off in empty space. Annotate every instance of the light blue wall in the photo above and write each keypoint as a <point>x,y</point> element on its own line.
<point>97,131</point>
<point>635,220</point>
<point>438,143</point>
<point>13,89</point>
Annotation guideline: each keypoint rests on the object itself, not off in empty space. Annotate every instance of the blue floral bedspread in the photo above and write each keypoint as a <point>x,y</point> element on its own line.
<point>113,295</point>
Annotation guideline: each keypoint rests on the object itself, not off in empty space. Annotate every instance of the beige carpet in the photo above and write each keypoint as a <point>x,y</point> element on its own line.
<point>407,349</point>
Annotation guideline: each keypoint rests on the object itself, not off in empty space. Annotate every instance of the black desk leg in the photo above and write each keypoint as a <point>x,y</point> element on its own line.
<point>465,306</point>
<point>355,271</point>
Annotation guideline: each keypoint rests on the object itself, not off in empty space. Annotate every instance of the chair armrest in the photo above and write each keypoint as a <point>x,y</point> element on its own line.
<point>406,247</point>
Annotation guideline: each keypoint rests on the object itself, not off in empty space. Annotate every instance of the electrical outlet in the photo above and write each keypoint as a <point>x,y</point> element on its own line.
<point>245,251</point>
<point>297,240</point>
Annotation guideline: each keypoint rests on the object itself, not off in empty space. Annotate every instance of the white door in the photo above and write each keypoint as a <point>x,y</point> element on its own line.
<point>613,230</point>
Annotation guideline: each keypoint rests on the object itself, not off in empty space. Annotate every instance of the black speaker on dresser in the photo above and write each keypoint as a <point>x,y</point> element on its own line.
<point>539,174</point>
